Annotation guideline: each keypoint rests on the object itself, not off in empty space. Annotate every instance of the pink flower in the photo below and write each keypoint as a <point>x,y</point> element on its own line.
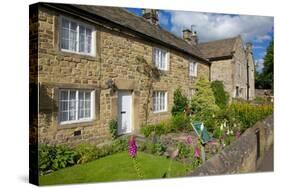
<point>132,147</point>
<point>189,139</point>
<point>197,153</point>
<point>238,134</point>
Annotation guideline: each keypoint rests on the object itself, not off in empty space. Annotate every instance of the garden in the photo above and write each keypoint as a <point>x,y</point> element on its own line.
<point>170,148</point>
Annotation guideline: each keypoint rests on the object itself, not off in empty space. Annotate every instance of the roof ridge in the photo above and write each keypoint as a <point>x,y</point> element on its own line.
<point>219,40</point>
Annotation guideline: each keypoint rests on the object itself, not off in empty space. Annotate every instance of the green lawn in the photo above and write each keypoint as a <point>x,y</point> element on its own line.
<point>115,167</point>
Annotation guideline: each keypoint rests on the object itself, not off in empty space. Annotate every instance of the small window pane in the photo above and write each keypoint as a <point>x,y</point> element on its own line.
<point>73,36</point>
<point>88,40</point>
<point>82,38</point>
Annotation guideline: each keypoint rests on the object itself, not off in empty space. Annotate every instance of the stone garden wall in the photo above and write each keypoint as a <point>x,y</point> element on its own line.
<point>243,155</point>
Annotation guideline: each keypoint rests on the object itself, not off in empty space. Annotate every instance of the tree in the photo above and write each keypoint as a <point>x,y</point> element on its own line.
<point>203,103</point>
<point>221,96</point>
<point>180,102</point>
<point>268,67</point>
<point>264,79</point>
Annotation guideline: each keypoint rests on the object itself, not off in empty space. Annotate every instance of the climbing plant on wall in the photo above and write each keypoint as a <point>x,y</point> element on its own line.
<point>152,73</point>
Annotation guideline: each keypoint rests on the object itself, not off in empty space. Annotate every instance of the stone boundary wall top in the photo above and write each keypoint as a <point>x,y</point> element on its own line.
<point>243,155</point>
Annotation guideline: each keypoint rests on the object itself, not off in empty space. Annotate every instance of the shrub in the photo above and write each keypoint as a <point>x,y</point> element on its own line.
<point>52,158</point>
<point>203,104</point>
<point>180,102</point>
<point>158,129</point>
<point>180,122</point>
<point>160,148</point>
<point>113,125</point>
<point>86,152</point>
<point>185,151</point>
<point>221,96</point>
<point>248,114</point>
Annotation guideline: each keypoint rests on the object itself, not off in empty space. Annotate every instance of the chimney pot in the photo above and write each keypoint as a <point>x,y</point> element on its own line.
<point>190,36</point>
<point>150,15</point>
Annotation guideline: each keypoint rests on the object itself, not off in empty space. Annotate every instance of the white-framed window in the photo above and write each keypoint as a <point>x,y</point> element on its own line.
<point>159,101</point>
<point>193,69</point>
<point>161,58</point>
<point>75,105</point>
<point>77,37</point>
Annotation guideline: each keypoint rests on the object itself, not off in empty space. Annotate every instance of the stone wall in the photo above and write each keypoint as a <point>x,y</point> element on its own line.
<point>115,59</point>
<point>223,70</point>
<point>240,71</point>
<point>243,155</point>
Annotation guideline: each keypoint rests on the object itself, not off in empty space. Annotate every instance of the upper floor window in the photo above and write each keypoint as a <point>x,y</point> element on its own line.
<point>193,69</point>
<point>76,37</point>
<point>160,57</point>
<point>159,101</point>
<point>75,105</point>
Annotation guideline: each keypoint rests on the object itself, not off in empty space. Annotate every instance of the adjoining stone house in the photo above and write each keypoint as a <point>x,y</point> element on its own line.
<point>232,64</point>
<point>92,64</point>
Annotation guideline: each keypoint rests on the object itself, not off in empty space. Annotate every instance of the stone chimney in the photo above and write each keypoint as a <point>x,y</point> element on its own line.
<point>150,15</point>
<point>190,36</point>
<point>249,47</point>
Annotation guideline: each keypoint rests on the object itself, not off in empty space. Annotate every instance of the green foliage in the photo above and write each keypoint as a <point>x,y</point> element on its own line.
<point>160,148</point>
<point>180,102</point>
<point>185,151</point>
<point>221,96</point>
<point>113,125</point>
<point>180,122</point>
<point>52,158</point>
<point>248,114</point>
<point>158,129</point>
<point>86,152</point>
<point>264,79</point>
<point>203,104</point>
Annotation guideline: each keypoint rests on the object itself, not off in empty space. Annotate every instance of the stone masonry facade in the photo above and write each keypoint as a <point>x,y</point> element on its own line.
<point>115,60</point>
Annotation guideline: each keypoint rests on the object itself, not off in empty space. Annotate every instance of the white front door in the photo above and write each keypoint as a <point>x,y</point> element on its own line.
<point>124,112</point>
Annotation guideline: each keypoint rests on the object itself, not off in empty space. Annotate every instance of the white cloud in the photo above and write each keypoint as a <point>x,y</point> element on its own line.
<point>259,64</point>
<point>258,47</point>
<point>262,38</point>
<point>211,26</point>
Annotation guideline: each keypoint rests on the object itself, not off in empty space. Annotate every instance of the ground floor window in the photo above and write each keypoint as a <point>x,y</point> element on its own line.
<point>75,105</point>
<point>159,101</point>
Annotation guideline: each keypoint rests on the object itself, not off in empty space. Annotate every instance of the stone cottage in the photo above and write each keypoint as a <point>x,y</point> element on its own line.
<point>92,64</point>
<point>232,64</point>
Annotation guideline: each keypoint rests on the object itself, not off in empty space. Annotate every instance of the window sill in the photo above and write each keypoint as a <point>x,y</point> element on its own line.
<point>160,112</point>
<point>74,124</point>
<point>78,55</point>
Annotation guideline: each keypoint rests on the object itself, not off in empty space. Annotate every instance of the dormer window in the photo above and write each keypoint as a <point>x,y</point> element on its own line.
<point>193,69</point>
<point>160,57</point>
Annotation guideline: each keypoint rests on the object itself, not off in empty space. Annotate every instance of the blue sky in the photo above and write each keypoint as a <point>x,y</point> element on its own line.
<point>212,26</point>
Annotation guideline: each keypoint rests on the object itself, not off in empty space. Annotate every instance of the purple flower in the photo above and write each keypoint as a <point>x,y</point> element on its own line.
<point>132,147</point>
<point>189,139</point>
<point>238,134</point>
<point>197,152</point>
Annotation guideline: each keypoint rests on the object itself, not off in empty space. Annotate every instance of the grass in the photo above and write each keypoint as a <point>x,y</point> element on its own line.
<point>116,167</point>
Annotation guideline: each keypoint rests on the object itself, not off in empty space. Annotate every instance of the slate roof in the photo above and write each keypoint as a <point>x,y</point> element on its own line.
<point>137,24</point>
<point>219,48</point>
